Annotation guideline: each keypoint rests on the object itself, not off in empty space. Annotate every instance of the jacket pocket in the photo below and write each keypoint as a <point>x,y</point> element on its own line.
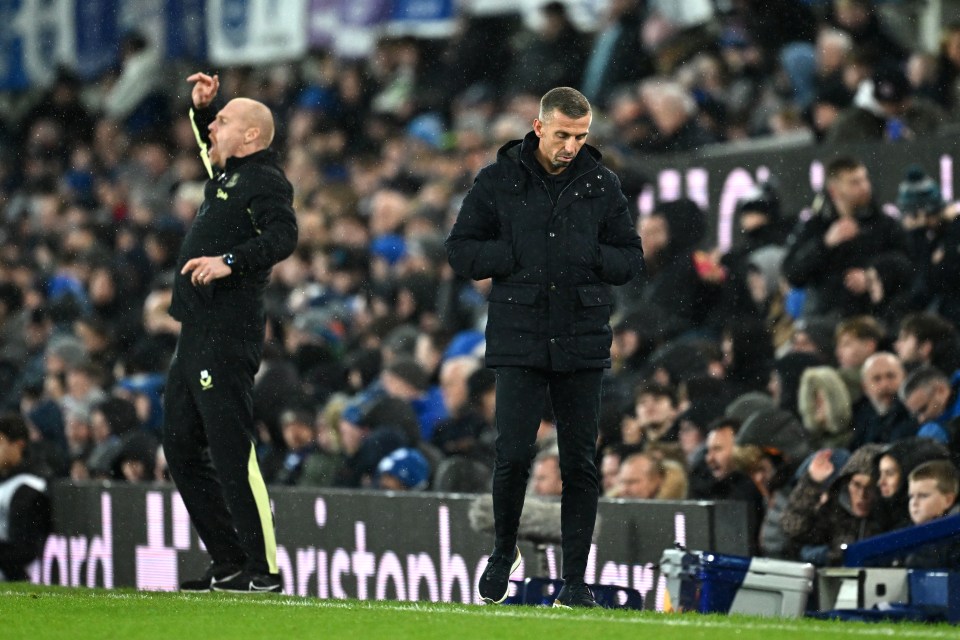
<point>513,318</point>
<point>592,327</point>
<point>594,295</point>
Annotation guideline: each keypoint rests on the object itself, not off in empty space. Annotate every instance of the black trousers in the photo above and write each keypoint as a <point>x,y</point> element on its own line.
<point>208,439</point>
<point>521,393</point>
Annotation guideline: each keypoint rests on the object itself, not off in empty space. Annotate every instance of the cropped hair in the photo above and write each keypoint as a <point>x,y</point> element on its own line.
<point>920,379</point>
<point>862,328</point>
<point>841,165</point>
<point>656,463</point>
<point>13,427</point>
<point>943,471</point>
<point>566,100</point>
<point>927,327</point>
<point>653,388</point>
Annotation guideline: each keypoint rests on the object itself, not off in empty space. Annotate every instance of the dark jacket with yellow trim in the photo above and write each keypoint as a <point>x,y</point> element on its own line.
<point>247,210</point>
<point>551,265</point>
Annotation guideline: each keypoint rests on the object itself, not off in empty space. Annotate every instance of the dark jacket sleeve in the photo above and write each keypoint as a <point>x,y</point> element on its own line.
<point>799,521</point>
<point>271,211</point>
<point>30,523</point>
<point>621,252</point>
<point>806,255</point>
<point>477,248</point>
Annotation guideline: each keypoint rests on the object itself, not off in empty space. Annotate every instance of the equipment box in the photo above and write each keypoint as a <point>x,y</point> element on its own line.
<point>936,592</point>
<point>719,583</point>
<point>860,588</point>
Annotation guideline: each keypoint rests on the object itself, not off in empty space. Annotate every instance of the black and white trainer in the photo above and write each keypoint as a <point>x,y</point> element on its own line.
<point>248,582</point>
<point>575,595</point>
<point>495,581</point>
<point>214,573</point>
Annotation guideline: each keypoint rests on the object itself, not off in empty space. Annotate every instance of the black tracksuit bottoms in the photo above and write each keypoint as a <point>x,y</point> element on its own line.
<point>521,393</point>
<point>208,439</point>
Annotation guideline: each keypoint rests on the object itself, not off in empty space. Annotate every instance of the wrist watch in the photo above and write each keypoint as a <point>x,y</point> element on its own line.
<point>229,259</point>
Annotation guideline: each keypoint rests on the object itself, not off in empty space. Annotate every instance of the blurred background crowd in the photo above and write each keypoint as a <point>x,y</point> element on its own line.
<point>730,371</point>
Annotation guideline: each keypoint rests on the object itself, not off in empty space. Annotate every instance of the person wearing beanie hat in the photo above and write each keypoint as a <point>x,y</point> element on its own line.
<point>782,444</point>
<point>933,229</point>
<point>406,380</point>
<point>405,469</point>
<point>137,457</point>
<point>747,404</point>
<point>776,431</point>
<point>919,198</point>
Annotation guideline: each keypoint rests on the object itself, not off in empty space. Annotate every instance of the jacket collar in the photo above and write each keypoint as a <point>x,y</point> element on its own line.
<point>511,152</point>
<point>266,156</point>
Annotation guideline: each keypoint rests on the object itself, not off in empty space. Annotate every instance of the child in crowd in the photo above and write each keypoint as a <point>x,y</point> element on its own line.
<point>933,491</point>
<point>933,488</point>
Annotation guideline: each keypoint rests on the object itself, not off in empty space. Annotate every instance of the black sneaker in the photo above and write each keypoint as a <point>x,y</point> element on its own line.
<point>495,581</point>
<point>575,594</point>
<point>247,582</point>
<point>214,574</point>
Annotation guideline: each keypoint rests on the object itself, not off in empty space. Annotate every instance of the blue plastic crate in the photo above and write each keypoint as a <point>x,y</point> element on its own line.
<point>936,592</point>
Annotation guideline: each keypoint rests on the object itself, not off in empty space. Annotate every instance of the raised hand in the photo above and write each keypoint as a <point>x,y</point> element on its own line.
<point>820,466</point>
<point>205,89</point>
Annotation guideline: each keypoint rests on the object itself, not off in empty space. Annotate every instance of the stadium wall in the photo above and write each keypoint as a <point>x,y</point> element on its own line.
<point>363,545</point>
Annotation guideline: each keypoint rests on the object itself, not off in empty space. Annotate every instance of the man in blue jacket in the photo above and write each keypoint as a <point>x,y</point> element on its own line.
<point>550,225</point>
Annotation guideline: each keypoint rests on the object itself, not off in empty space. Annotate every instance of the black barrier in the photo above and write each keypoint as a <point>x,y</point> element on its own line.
<point>716,182</point>
<point>364,545</point>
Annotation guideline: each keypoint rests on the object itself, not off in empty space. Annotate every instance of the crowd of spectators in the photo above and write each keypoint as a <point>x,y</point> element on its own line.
<point>807,372</point>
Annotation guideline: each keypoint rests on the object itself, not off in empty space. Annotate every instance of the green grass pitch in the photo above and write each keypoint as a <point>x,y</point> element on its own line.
<point>34,612</point>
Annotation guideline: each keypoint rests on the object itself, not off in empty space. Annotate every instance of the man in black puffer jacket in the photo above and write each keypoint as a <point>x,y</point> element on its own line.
<point>245,225</point>
<point>549,223</point>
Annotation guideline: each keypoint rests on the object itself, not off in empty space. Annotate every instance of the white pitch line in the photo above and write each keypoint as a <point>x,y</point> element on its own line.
<point>685,620</point>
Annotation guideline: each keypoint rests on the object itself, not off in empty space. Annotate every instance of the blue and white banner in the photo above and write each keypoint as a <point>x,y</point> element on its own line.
<point>256,31</point>
<point>423,18</point>
<point>35,36</point>
<point>178,28</point>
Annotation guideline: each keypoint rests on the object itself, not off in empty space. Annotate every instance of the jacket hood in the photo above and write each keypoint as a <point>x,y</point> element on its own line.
<point>768,262</point>
<point>860,461</point>
<point>686,221</point>
<point>826,382</point>
<point>910,453</point>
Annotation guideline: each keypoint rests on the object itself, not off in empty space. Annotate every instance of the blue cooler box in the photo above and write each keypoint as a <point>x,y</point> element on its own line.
<point>719,583</point>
